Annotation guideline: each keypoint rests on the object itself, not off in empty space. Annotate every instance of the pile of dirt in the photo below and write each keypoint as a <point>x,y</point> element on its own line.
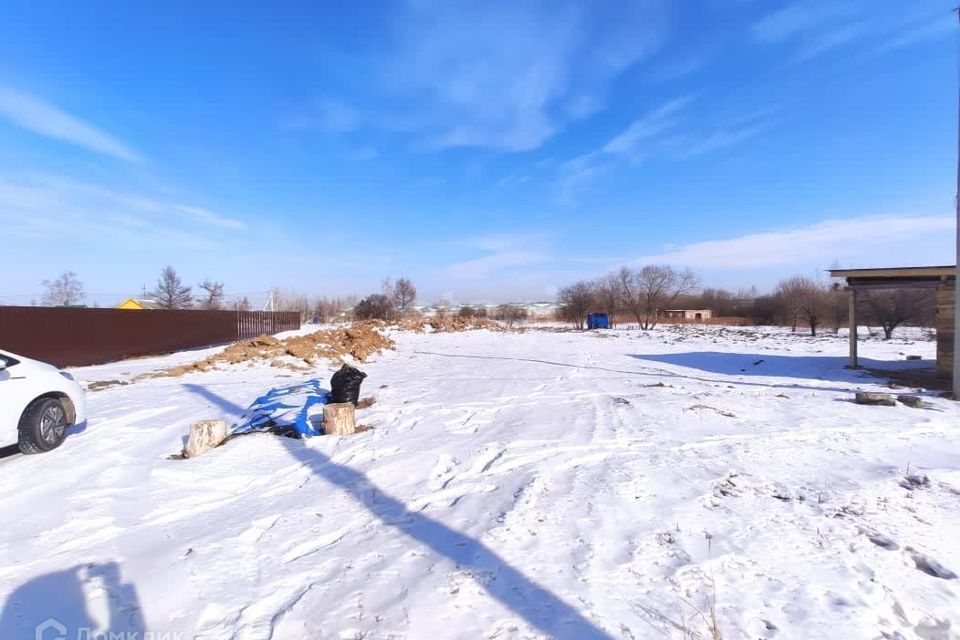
<point>358,341</point>
<point>450,324</point>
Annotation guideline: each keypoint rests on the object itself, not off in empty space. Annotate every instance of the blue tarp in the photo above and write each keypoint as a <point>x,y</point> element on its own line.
<point>293,410</point>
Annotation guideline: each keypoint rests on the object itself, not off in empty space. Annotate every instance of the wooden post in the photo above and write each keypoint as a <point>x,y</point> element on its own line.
<point>204,435</point>
<point>338,419</point>
<point>852,322</point>
<point>946,333</point>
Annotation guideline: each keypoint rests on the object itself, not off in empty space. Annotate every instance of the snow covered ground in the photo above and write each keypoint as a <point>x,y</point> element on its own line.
<point>529,485</point>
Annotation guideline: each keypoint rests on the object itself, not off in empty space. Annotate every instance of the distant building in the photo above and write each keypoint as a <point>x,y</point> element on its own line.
<point>688,314</point>
<point>535,310</point>
<point>139,304</point>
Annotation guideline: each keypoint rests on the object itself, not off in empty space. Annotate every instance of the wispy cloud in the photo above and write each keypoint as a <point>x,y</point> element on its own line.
<point>501,252</point>
<point>325,114</point>
<point>27,204</point>
<point>632,144</point>
<point>665,132</point>
<point>722,136</point>
<point>828,40</point>
<point>816,28</point>
<point>577,172</point>
<point>648,126</point>
<point>794,20</point>
<point>34,114</point>
<point>939,25</point>
<point>865,238</point>
<point>507,76</point>
<point>204,215</point>
<point>494,263</point>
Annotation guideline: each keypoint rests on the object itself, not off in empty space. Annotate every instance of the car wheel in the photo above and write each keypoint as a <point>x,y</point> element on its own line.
<point>42,426</point>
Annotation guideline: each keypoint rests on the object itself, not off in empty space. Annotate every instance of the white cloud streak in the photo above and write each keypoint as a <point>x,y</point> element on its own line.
<point>504,251</point>
<point>794,20</point>
<point>817,28</point>
<point>646,127</point>
<point>34,114</point>
<point>491,264</point>
<point>92,210</point>
<point>656,133</point>
<point>879,239</point>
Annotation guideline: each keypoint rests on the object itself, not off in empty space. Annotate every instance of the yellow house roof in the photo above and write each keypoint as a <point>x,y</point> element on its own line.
<point>134,303</point>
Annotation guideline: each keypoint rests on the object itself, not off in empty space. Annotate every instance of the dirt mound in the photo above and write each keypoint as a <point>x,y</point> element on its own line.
<point>450,324</point>
<point>358,341</point>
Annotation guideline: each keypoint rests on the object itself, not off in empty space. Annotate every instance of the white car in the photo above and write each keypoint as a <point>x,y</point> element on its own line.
<point>38,403</point>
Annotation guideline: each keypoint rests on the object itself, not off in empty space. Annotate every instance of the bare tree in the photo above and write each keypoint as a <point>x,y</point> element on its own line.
<point>170,292</point>
<point>404,294</point>
<point>804,299</point>
<point>374,307</point>
<point>577,300</point>
<point>213,294</point>
<point>837,307</point>
<point>292,300</point>
<point>511,314</point>
<point>648,292</point>
<point>329,309</point>
<point>896,307</point>
<point>720,301</point>
<point>65,291</point>
<point>442,309</point>
<point>243,304</point>
<point>606,291</point>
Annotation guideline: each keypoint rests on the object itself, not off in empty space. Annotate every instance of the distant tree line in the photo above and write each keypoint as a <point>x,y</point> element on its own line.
<point>640,294</point>
<point>797,301</point>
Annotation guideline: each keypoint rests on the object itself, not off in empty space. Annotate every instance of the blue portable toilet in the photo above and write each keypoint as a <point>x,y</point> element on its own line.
<point>598,321</point>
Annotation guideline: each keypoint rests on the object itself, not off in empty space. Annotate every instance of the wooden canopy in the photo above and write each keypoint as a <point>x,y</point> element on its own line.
<point>942,278</point>
<point>895,277</point>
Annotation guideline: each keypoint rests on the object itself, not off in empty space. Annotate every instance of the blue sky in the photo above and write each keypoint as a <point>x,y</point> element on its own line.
<point>488,152</point>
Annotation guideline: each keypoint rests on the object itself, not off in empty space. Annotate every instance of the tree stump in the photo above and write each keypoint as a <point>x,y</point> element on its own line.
<point>338,419</point>
<point>204,435</point>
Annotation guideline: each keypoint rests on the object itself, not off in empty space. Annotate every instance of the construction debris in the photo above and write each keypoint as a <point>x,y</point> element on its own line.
<point>915,402</point>
<point>870,398</point>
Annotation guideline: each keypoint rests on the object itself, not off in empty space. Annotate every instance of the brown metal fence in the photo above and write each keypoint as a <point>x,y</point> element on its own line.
<point>70,337</point>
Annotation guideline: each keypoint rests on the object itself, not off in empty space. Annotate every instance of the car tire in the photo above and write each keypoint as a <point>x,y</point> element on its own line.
<point>43,426</point>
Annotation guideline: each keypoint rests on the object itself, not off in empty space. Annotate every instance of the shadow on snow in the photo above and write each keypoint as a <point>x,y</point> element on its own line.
<point>827,368</point>
<point>54,605</point>
<point>831,369</point>
<point>509,586</point>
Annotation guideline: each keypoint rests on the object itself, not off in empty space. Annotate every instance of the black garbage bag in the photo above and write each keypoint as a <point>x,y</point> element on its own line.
<point>345,384</point>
